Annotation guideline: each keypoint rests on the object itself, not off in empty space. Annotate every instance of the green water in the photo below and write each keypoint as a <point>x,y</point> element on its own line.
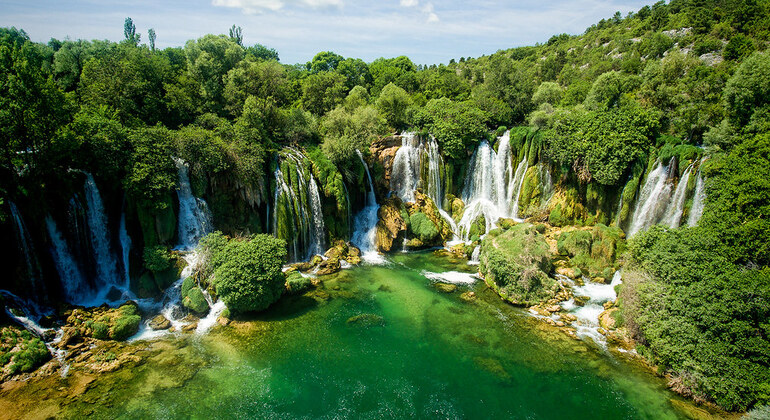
<point>417,353</point>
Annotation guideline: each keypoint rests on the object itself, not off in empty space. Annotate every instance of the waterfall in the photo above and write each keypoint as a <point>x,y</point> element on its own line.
<point>317,233</point>
<point>652,201</point>
<point>125,246</point>
<point>365,223</point>
<point>475,256</point>
<point>676,206</point>
<point>697,202</point>
<point>405,177</point>
<point>433,185</point>
<point>194,216</point>
<point>492,187</point>
<point>106,267</point>
<point>73,282</point>
<point>24,240</point>
<point>297,215</point>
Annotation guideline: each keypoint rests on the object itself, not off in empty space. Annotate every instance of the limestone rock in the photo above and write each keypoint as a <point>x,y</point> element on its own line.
<point>160,323</point>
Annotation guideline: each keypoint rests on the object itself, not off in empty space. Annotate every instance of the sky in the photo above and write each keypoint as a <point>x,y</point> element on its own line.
<point>428,32</point>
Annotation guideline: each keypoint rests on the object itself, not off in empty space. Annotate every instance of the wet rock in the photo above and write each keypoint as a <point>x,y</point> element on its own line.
<point>160,323</point>
<point>330,266</point>
<point>606,319</point>
<point>391,224</point>
<point>70,335</point>
<point>553,308</point>
<point>445,287</point>
<point>581,300</point>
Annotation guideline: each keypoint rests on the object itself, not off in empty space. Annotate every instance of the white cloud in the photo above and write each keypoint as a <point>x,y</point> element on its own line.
<point>257,6</point>
<point>409,3</point>
<point>432,16</point>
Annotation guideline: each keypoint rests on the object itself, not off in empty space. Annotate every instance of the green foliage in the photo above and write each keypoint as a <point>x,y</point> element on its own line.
<point>516,263</point>
<point>740,46</point>
<point>594,251</point>
<point>20,351</point>
<point>156,258</point>
<point>456,125</point>
<point>748,90</point>
<point>349,130</point>
<point>422,227</point>
<point>151,173</point>
<point>395,104</point>
<point>125,325</point>
<point>322,92</point>
<point>209,59</point>
<point>601,145</point>
<point>247,273</point>
<point>547,92</point>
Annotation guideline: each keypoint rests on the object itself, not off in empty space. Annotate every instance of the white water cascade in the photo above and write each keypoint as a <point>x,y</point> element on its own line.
<point>106,264</point>
<point>676,207</point>
<point>652,201</point>
<point>317,243</point>
<point>405,177</point>
<point>698,201</point>
<point>365,223</point>
<point>27,248</point>
<point>492,186</point>
<point>125,246</point>
<point>73,282</point>
<point>194,216</point>
<point>587,324</point>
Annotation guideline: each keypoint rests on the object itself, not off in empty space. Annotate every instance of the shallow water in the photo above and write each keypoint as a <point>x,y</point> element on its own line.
<point>381,342</point>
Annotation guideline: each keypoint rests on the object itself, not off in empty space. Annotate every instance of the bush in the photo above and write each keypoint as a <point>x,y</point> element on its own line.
<point>156,258</point>
<point>297,283</point>
<point>20,351</point>
<point>422,227</point>
<point>250,276</point>
<point>125,326</point>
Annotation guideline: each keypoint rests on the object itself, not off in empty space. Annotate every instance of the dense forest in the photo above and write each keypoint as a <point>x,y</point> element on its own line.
<point>686,82</point>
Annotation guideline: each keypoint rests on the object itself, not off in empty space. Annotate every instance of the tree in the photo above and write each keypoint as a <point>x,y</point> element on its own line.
<point>261,79</point>
<point>395,104</point>
<point>456,125</point>
<point>208,60</point>
<point>747,93</point>
<point>322,92</point>
<point>261,52</point>
<point>129,32</point>
<point>151,37</point>
<point>547,92</point>
<point>236,34</point>
<point>324,61</point>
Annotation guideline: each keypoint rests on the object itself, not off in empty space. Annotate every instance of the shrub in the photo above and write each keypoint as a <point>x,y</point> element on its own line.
<point>195,301</point>
<point>250,278</point>
<point>422,227</point>
<point>156,258</point>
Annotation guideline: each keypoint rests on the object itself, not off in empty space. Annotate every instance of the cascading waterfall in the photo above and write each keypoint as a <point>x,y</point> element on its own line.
<point>73,282</point>
<point>660,202</point>
<point>125,246</point>
<point>27,247</point>
<point>317,233</point>
<point>365,223</point>
<point>676,207</point>
<point>106,267</point>
<point>652,201</point>
<point>492,187</point>
<point>697,202</point>
<point>298,215</point>
<point>194,216</point>
<point>405,177</point>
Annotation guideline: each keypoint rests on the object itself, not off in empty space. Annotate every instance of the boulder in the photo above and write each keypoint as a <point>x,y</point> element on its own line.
<point>391,224</point>
<point>160,323</point>
<point>329,266</point>
<point>445,287</point>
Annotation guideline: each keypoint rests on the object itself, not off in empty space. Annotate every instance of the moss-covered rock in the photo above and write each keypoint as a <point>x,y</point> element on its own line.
<point>423,228</point>
<point>192,297</point>
<point>478,228</point>
<point>516,263</point>
<point>296,283</point>
<point>103,323</point>
<point>20,351</point>
<point>594,251</point>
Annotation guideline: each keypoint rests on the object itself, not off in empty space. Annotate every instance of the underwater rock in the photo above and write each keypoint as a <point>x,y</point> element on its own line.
<point>367,320</point>
<point>329,266</point>
<point>445,287</point>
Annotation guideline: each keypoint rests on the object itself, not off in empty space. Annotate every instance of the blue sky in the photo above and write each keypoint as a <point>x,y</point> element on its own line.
<point>429,32</point>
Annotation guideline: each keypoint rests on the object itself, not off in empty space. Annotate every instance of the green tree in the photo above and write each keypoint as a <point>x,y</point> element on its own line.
<point>250,277</point>
<point>321,92</point>
<point>151,36</point>
<point>129,32</point>
<point>395,104</point>
<point>208,60</point>
<point>324,61</point>
<point>547,92</point>
<point>456,125</point>
<point>748,90</point>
